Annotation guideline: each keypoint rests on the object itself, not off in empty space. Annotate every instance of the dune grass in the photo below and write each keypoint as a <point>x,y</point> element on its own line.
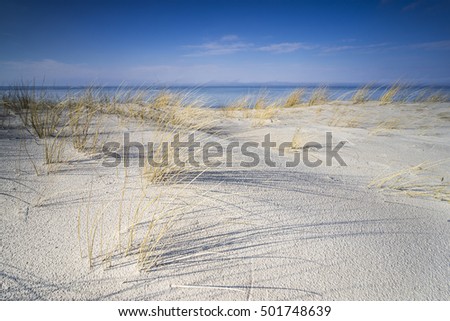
<point>54,148</point>
<point>259,109</point>
<point>263,110</point>
<point>390,94</point>
<point>82,112</point>
<point>262,117</point>
<point>165,170</point>
<point>347,116</point>
<point>175,114</point>
<point>361,95</point>
<point>80,123</point>
<point>80,118</point>
<point>43,118</point>
<point>162,165</point>
<point>170,112</point>
<point>319,96</point>
<point>41,114</point>
<point>261,101</point>
<point>19,100</point>
<point>385,126</point>
<point>417,181</point>
<point>294,98</point>
<point>237,107</point>
<point>142,217</point>
<point>437,97</point>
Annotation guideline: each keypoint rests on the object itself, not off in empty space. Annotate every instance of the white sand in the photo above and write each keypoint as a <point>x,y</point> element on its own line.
<point>246,234</point>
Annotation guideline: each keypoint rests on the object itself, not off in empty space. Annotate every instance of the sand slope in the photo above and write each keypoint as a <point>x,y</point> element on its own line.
<point>251,233</point>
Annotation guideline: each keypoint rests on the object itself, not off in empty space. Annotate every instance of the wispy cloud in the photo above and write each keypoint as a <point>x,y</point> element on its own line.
<point>411,6</point>
<point>434,45</point>
<point>226,45</point>
<point>366,47</point>
<point>284,47</point>
<point>385,47</point>
<point>229,38</point>
<point>230,44</point>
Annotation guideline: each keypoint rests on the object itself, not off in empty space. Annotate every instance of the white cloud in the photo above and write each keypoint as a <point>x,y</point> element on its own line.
<point>284,47</point>
<point>229,38</point>
<point>230,44</point>
<point>377,47</point>
<point>221,47</point>
<point>216,48</point>
<point>435,45</point>
<point>366,48</point>
<point>186,71</point>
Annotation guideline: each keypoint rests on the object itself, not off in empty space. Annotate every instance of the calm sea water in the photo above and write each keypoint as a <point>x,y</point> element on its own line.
<point>218,96</point>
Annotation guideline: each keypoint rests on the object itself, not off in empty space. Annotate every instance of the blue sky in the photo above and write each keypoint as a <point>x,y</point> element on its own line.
<point>201,42</point>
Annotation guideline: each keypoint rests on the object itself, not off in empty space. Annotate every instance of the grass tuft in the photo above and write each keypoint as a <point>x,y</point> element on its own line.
<point>417,181</point>
<point>295,98</point>
<point>35,110</point>
<point>437,97</point>
<point>390,94</point>
<point>361,95</point>
<point>82,116</point>
<point>319,96</point>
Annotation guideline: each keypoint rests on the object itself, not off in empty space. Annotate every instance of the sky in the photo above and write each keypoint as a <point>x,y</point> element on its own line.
<point>224,42</point>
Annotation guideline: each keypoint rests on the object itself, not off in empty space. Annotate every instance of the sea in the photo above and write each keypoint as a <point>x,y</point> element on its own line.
<point>220,96</point>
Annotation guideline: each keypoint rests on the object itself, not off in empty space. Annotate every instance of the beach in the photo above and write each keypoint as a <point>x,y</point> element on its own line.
<point>373,227</point>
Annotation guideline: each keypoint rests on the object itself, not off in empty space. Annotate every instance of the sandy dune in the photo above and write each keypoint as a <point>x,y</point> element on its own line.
<point>256,233</point>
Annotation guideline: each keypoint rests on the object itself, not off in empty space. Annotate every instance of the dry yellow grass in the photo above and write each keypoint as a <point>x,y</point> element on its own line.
<point>261,116</point>
<point>167,171</point>
<point>19,100</point>
<point>175,114</point>
<point>179,110</point>
<point>165,168</point>
<point>295,98</point>
<point>361,95</point>
<point>265,113</point>
<point>261,101</point>
<point>35,110</point>
<point>437,97</point>
<point>45,118</point>
<point>417,181</point>
<point>240,103</point>
<point>354,122</point>
<point>426,95</point>
<point>339,117</point>
<point>54,151</point>
<point>262,109</point>
<point>385,127</point>
<point>319,96</point>
<point>143,219</point>
<point>84,121</point>
<point>237,107</point>
<point>390,94</point>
